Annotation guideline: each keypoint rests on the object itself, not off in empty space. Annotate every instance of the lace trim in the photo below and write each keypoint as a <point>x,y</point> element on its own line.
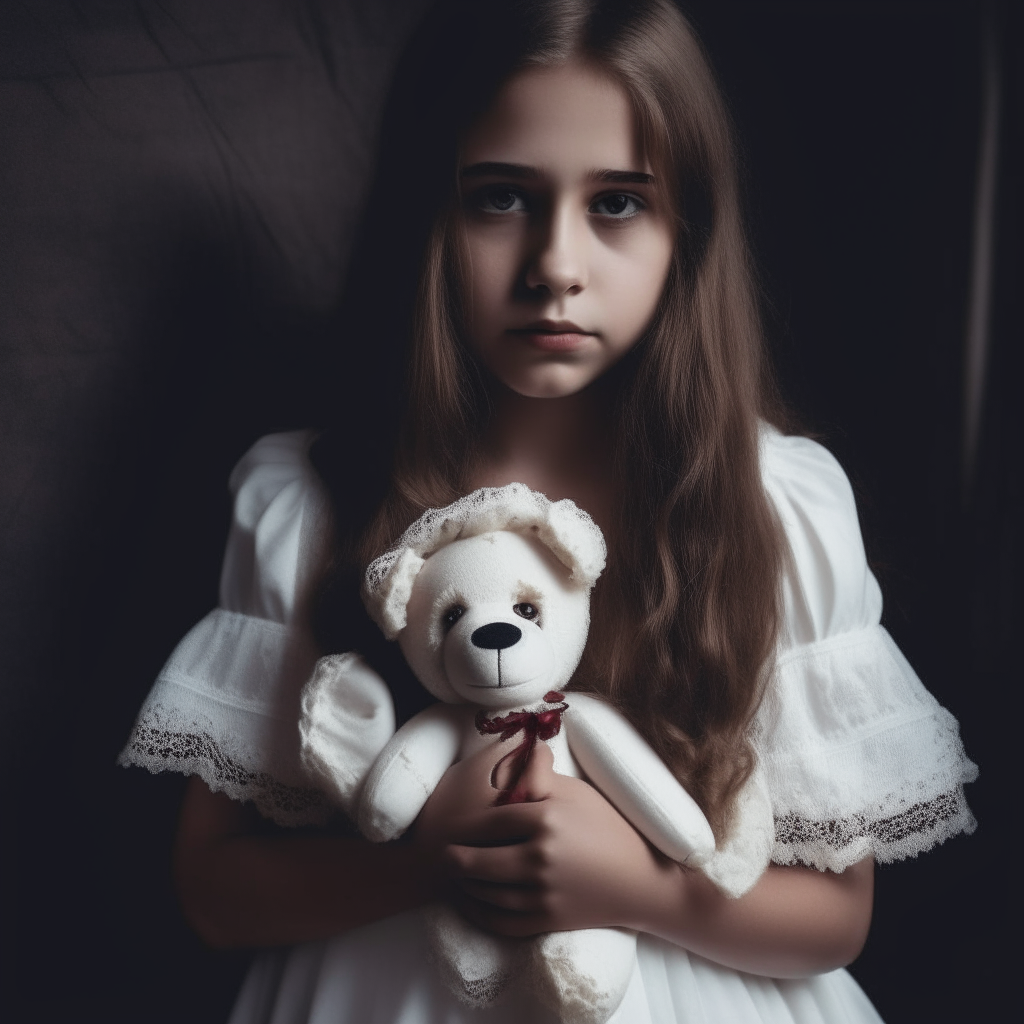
<point>836,845</point>
<point>569,532</point>
<point>198,753</point>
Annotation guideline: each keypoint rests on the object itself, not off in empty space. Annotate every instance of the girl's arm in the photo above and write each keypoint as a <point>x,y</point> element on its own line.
<point>578,864</point>
<point>243,883</point>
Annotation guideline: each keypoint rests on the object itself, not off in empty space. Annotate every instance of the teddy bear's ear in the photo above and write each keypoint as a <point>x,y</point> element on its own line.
<point>574,539</point>
<point>566,530</point>
<point>388,587</point>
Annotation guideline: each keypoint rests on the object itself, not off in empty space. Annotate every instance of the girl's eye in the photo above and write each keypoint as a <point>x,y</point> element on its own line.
<point>501,199</point>
<point>619,205</point>
<point>525,611</point>
<point>453,615</point>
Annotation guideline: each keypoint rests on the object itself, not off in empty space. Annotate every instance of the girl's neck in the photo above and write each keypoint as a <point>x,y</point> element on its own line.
<point>559,446</point>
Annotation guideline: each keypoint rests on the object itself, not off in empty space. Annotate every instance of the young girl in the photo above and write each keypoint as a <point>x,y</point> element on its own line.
<point>553,262</point>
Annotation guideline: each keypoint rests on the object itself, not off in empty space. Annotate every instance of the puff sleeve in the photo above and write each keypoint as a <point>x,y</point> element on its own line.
<point>858,757</point>
<point>226,704</point>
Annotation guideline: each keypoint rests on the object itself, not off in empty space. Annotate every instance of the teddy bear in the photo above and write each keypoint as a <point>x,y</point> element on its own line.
<point>489,600</point>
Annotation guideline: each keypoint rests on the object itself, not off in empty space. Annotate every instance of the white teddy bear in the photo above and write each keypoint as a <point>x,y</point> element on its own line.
<point>489,600</point>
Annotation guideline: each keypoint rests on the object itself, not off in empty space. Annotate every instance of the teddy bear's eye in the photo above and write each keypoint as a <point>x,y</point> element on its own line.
<point>525,610</point>
<point>453,615</point>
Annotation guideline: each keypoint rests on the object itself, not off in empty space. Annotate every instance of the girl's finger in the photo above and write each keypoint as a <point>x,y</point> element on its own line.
<point>522,899</point>
<point>514,823</point>
<point>506,865</point>
<point>538,779</point>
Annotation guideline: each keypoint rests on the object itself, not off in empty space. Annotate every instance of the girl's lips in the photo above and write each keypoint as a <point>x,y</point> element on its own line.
<point>553,342</point>
<point>553,338</point>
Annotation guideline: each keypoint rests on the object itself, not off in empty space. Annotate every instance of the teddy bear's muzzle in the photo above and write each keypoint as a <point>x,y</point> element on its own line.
<point>490,661</point>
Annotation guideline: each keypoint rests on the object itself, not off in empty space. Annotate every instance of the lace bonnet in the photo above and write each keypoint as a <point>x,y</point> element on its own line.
<point>570,534</point>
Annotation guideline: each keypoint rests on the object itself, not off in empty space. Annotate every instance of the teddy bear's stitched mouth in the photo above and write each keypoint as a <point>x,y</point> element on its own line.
<point>504,686</point>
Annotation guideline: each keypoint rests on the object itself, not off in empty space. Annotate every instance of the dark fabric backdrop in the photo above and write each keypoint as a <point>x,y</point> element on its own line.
<point>179,182</point>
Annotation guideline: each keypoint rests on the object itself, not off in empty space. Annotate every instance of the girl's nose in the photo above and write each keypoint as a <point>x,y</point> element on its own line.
<point>559,266</point>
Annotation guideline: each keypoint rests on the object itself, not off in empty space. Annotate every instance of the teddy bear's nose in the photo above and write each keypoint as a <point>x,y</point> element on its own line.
<point>496,636</point>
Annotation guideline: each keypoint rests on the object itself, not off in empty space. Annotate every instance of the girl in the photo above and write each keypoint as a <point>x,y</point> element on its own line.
<point>553,248</point>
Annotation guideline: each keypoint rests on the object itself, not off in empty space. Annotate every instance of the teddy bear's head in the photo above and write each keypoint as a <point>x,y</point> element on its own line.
<point>489,598</point>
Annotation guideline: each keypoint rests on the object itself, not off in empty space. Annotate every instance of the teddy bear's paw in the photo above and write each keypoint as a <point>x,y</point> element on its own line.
<point>583,975</point>
<point>476,968</point>
<point>741,860</point>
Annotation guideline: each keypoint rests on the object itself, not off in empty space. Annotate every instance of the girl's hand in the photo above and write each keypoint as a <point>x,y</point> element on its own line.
<point>565,859</point>
<point>568,860</point>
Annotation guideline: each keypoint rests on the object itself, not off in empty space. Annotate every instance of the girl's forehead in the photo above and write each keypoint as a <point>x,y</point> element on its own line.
<point>571,115</point>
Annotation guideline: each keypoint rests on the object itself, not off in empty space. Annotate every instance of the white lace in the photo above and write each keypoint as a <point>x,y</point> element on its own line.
<point>836,845</point>
<point>859,758</point>
<point>164,740</point>
<point>573,537</point>
<point>225,707</point>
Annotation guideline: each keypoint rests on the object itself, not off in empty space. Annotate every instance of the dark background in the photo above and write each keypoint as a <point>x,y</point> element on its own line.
<point>178,181</point>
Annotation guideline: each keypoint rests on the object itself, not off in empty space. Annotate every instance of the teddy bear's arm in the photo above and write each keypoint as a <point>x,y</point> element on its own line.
<point>347,719</point>
<point>619,762</point>
<point>408,770</point>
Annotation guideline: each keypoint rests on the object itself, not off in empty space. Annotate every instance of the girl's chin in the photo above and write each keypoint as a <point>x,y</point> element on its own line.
<point>551,382</point>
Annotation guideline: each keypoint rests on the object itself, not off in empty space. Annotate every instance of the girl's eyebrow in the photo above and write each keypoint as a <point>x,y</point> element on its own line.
<point>492,168</point>
<point>623,177</point>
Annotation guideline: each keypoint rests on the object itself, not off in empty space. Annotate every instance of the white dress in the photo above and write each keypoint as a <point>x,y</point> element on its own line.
<point>859,758</point>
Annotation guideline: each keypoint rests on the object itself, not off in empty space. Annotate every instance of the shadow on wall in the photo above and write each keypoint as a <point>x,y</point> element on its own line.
<point>180,182</point>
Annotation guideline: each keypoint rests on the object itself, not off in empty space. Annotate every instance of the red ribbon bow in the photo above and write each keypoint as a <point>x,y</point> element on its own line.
<point>534,725</point>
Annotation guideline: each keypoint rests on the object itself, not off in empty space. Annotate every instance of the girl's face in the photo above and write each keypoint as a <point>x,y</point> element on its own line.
<point>569,236</point>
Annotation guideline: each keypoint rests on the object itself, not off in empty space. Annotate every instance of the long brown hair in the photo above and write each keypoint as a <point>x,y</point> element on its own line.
<point>685,619</point>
